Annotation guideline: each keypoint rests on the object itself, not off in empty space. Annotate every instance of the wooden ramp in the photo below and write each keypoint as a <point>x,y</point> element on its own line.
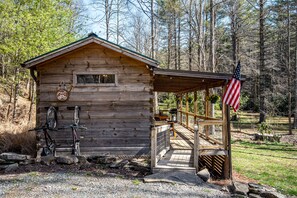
<point>181,153</point>
<point>180,156</point>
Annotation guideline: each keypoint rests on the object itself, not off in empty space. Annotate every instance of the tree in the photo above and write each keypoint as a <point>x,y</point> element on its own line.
<point>29,28</point>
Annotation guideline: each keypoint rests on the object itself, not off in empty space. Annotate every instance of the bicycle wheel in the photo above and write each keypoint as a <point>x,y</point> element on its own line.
<point>76,115</point>
<point>51,118</point>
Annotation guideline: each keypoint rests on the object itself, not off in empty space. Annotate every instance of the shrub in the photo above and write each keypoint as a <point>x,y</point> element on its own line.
<point>18,139</point>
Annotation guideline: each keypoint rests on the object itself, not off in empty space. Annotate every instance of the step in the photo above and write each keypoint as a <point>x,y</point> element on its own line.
<point>164,168</point>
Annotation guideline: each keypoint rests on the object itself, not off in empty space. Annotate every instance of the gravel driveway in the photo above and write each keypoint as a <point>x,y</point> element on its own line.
<point>87,184</point>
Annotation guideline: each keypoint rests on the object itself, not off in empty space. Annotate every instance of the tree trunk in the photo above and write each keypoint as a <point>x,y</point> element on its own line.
<point>32,101</point>
<point>118,21</point>
<point>175,40</point>
<point>289,69</point>
<point>16,92</point>
<point>295,112</point>
<point>190,35</point>
<point>234,36</point>
<point>212,37</point>
<point>169,44</point>
<point>262,64</point>
<point>178,42</point>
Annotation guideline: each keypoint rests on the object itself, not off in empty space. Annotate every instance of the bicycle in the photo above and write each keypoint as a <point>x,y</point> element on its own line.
<point>50,125</point>
<point>74,127</point>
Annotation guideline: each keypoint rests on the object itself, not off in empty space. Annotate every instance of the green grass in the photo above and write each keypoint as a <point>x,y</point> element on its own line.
<point>248,122</point>
<point>273,164</point>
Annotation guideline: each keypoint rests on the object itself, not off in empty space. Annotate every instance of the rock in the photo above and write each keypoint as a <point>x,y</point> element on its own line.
<point>67,160</point>
<point>238,196</point>
<point>179,177</point>
<point>112,175</point>
<point>5,162</point>
<point>14,157</point>
<point>103,159</point>
<point>241,188</point>
<point>86,165</point>
<point>26,162</point>
<point>252,195</point>
<point>271,194</point>
<point>47,160</point>
<point>11,167</point>
<point>82,160</point>
<point>2,161</point>
<point>204,175</point>
<point>120,164</point>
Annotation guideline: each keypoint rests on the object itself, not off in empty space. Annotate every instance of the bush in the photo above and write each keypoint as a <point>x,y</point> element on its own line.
<point>18,140</point>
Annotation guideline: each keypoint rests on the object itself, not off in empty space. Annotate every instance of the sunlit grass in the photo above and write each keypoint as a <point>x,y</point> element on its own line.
<point>272,164</point>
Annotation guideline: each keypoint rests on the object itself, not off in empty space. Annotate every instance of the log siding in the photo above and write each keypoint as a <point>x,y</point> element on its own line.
<point>118,117</point>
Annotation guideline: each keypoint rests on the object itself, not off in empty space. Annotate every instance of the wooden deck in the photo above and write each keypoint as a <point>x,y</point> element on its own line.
<point>180,155</point>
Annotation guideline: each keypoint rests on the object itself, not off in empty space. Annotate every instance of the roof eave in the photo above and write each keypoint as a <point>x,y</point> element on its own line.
<point>83,42</point>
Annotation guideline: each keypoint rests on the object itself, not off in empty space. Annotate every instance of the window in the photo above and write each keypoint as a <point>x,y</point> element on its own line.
<point>95,79</point>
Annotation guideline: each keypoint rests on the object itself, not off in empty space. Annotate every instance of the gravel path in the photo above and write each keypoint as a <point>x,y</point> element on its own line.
<point>60,184</point>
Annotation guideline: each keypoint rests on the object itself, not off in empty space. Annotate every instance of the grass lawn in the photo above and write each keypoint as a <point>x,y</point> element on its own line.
<point>273,164</point>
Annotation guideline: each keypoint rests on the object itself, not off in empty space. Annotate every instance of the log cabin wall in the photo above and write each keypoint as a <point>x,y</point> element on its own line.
<point>118,117</point>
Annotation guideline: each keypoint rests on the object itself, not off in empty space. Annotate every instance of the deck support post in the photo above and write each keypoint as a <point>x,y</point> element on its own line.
<point>153,148</point>
<point>187,110</point>
<point>207,111</point>
<point>196,147</point>
<point>195,107</point>
<point>181,109</point>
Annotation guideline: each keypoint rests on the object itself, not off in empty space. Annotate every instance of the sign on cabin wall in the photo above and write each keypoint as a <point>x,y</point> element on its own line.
<point>62,93</point>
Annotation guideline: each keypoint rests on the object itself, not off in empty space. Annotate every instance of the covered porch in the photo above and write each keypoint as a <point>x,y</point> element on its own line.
<point>188,148</point>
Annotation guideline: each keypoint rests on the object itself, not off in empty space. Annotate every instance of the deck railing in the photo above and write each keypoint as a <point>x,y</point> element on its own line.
<point>160,143</point>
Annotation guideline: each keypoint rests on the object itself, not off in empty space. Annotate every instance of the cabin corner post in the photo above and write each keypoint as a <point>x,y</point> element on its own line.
<point>187,110</point>
<point>153,147</point>
<point>196,145</point>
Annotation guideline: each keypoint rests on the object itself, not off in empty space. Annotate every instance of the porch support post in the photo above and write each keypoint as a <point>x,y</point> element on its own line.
<point>187,110</point>
<point>224,129</point>
<point>153,148</point>
<point>181,109</point>
<point>196,147</point>
<point>206,111</point>
<point>195,107</point>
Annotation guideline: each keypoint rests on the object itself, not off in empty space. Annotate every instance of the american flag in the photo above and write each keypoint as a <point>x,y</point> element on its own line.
<point>232,94</point>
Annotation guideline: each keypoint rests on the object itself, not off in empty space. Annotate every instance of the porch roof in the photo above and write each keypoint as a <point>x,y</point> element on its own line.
<point>180,81</point>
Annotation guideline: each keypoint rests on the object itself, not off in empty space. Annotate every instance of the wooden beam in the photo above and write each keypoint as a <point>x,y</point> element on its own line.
<point>153,148</point>
<point>181,108</point>
<point>195,107</point>
<point>187,110</point>
<point>196,147</point>
<point>206,110</point>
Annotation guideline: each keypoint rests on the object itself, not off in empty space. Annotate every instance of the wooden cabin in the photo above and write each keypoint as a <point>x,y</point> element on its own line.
<point>114,88</point>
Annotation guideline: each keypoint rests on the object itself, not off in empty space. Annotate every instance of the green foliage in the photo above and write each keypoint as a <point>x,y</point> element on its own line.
<point>264,128</point>
<point>213,98</point>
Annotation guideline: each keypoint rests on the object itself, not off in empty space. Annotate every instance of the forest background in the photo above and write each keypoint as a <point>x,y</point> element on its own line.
<point>197,35</point>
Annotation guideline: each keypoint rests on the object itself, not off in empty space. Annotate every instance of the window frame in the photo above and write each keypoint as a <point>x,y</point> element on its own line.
<point>75,74</point>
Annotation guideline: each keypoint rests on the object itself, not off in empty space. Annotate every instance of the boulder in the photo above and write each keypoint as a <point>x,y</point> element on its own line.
<point>26,162</point>
<point>67,160</point>
<point>14,157</point>
<point>11,167</point>
<point>119,164</point>
<point>102,159</point>
<point>252,195</point>
<point>272,194</point>
<point>82,160</point>
<point>241,188</point>
<point>47,160</point>
<point>204,175</point>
